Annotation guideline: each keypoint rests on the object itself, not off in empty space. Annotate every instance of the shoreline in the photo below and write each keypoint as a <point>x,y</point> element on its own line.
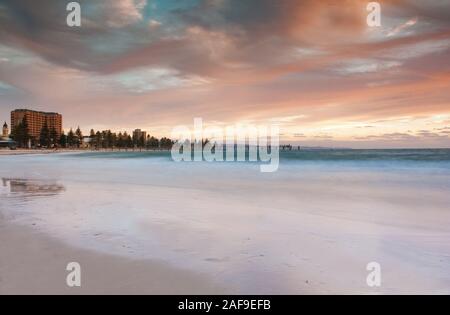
<point>7,152</point>
<point>34,263</point>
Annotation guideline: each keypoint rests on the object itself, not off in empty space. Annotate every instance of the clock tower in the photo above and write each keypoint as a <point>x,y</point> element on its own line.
<point>5,133</point>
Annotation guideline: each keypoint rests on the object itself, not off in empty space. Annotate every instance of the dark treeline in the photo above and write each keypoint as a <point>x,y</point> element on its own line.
<point>111,140</point>
<point>49,138</point>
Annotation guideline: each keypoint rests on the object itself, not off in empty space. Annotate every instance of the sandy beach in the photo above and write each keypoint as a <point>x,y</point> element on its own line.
<point>6,152</point>
<point>140,223</point>
<point>33,263</point>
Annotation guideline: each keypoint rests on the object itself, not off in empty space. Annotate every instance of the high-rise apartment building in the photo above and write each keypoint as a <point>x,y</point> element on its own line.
<point>36,120</point>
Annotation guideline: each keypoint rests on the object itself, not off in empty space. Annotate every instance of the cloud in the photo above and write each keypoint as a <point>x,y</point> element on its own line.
<point>124,12</point>
<point>400,136</point>
<point>300,63</point>
<point>419,49</point>
<point>402,27</point>
<point>360,66</point>
<point>207,38</point>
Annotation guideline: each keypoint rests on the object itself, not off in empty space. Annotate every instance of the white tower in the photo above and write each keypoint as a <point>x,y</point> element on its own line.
<point>5,133</point>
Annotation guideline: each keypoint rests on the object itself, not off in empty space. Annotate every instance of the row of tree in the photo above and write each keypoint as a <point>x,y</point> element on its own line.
<point>72,139</point>
<point>107,139</point>
<point>49,138</point>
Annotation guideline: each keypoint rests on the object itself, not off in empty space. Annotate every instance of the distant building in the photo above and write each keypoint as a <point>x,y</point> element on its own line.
<point>86,142</point>
<point>5,141</point>
<point>138,134</point>
<point>36,120</point>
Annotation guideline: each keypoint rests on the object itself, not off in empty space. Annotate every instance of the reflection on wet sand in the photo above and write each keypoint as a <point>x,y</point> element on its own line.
<point>32,187</point>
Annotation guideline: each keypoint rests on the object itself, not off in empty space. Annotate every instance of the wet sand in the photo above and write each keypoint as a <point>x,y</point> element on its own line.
<point>32,263</point>
<point>7,152</point>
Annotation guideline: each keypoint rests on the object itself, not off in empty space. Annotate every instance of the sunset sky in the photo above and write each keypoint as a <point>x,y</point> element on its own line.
<point>313,67</point>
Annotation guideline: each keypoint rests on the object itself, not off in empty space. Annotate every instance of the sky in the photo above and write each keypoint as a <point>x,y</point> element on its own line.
<point>314,68</point>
